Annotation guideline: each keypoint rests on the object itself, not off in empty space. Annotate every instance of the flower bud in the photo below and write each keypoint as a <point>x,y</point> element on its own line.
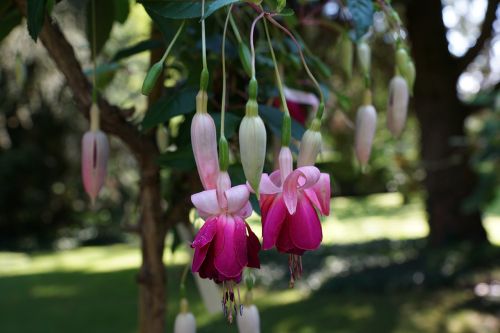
<point>253,139</point>
<point>364,57</point>
<point>346,51</point>
<point>204,142</point>
<point>161,138</point>
<point>184,321</point>
<point>397,107</point>
<point>245,57</point>
<point>402,59</point>
<point>249,321</point>
<point>310,145</point>
<point>366,124</point>
<point>151,77</point>
<point>95,152</point>
<point>410,75</point>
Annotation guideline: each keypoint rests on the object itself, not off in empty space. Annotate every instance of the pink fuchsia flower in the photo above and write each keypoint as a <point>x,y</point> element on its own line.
<point>297,102</point>
<point>95,153</point>
<point>225,244</point>
<point>289,199</point>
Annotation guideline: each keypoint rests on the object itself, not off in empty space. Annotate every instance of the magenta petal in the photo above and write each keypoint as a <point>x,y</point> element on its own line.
<point>275,214</point>
<point>230,246</point>
<point>300,178</point>
<point>253,248</point>
<point>95,152</point>
<point>237,198</point>
<point>202,241</point>
<point>206,202</point>
<point>305,227</point>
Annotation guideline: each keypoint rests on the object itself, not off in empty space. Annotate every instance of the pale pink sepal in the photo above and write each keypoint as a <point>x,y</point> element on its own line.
<point>319,194</point>
<point>204,142</point>
<point>299,179</point>
<point>301,97</point>
<point>95,153</point>
<point>237,199</point>
<point>206,203</point>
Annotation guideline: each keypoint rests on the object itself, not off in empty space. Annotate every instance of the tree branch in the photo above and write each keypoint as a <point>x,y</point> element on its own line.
<point>112,118</point>
<point>486,30</point>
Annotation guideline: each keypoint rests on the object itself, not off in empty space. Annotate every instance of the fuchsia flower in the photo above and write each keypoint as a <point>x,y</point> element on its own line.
<point>95,152</point>
<point>288,201</point>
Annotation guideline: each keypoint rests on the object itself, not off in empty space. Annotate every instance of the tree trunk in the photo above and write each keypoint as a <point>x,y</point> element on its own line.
<point>449,178</point>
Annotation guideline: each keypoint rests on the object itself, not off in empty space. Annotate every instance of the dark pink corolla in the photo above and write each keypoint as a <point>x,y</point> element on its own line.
<point>225,244</point>
<point>288,202</point>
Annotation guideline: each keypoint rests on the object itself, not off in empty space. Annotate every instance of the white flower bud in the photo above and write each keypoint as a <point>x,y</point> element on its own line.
<point>310,146</point>
<point>184,321</point>
<point>366,124</point>
<point>249,321</point>
<point>364,57</point>
<point>253,140</point>
<point>397,107</point>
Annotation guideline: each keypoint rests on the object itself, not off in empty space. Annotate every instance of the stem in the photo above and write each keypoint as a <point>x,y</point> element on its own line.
<point>252,47</point>
<point>311,76</point>
<point>203,42</point>
<point>172,42</point>
<point>94,61</point>
<point>276,70</point>
<point>223,103</point>
<point>235,28</point>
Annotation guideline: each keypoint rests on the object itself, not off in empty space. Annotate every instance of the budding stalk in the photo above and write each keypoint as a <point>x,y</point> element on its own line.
<point>364,58</point>
<point>346,52</point>
<point>310,146</point>
<point>366,124</point>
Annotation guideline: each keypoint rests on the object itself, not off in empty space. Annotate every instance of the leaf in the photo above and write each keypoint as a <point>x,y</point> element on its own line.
<point>36,16</point>
<point>182,159</point>
<point>104,18</point>
<point>287,12</point>
<point>362,16</point>
<point>8,22</point>
<point>165,25</point>
<point>182,102</point>
<point>175,9</point>
<point>273,117</point>
<point>122,9</point>
<point>136,48</point>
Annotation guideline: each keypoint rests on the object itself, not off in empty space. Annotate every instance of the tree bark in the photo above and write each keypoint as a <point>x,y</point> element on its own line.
<point>449,178</point>
<point>153,225</point>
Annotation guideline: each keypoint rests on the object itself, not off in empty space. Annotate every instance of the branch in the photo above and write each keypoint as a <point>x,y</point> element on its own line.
<point>112,118</point>
<point>486,30</point>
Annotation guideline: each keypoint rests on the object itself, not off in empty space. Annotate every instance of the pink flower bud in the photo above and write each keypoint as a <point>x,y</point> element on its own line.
<point>397,107</point>
<point>366,124</point>
<point>204,142</point>
<point>310,146</point>
<point>253,140</point>
<point>95,152</point>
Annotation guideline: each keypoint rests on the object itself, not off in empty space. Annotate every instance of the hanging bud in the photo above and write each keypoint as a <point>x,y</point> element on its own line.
<point>366,123</point>
<point>161,138</point>
<point>310,145</point>
<point>249,320</point>
<point>397,107</point>
<point>402,59</point>
<point>95,152</point>
<point>245,57</point>
<point>346,52</point>
<point>151,77</point>
<point>204,142</point>
<point>184,321</point>
<point>410,75</point>
<point>364,58</point>
<point>253,139</point>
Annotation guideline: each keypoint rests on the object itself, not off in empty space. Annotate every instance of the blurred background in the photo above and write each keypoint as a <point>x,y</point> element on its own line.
<point>413,240</point>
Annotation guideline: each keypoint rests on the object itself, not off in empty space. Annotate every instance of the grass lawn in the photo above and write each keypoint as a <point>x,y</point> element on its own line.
<point>355,283</point>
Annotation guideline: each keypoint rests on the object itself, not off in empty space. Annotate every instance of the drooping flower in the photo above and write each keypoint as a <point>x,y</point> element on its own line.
<point>95,153</point>
<point>397,106</point>
<point>366,124</point>
<point>297,102</point>
<point>225,244</point>
<point>184,321</point>
<point>204,142</point>
<point>289,199</point>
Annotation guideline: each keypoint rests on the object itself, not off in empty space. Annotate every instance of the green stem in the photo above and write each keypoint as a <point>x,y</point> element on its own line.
<point>172,42</point>
<point>224,84</point>
<point>94,45</point>
<point>252,46</point>
<point>235,29</point>
<point>203,41</point>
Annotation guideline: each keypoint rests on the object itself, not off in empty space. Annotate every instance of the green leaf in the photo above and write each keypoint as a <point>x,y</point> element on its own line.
<point>182,102</point>
<point>9,21</point>
<point>175,9</point>
<point>287,12</point>
<point>142,46</point>
<point>273,117</point>
<point>104,17</point>
<point>36,16</point>
<point>122,9</point>
<point>182,159</point>
<point>362,16</point>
